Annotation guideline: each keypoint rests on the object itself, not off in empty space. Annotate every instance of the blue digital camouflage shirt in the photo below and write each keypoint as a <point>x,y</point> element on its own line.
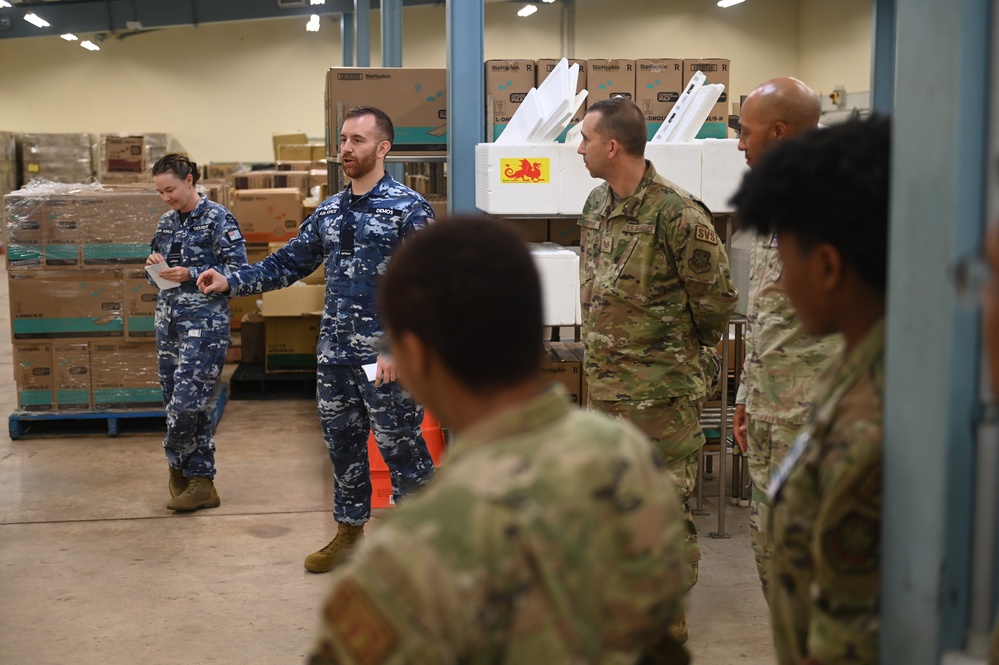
<point>208,238</point>
<point>356,239</point>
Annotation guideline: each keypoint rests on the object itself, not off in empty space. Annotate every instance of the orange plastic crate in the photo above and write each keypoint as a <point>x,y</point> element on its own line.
<point>381,482</point>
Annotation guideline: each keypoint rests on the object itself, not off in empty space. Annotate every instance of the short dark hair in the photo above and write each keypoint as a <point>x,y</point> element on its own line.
<point>179,165</point>
<point>467,287</point>
<point>623,121</point>
<point>383,123</point>
<point>828,186</point>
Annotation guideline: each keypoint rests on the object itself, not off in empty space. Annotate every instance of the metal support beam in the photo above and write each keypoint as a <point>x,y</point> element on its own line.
<point>362,31</point>
<point>391,16</point>
<point>465,100</point>
<point>347,38</point>
<point>932,355</point>
<point>883,56</point>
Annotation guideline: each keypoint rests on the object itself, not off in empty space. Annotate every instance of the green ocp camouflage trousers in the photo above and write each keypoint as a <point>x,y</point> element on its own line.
<point>767,444</point>
<point>674,427</point>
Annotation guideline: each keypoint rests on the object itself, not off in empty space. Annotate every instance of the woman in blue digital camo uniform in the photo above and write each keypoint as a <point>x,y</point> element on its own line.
<point>192,328</point>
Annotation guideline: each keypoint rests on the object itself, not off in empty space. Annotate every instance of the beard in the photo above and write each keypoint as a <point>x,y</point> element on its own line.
<point>361,166</point>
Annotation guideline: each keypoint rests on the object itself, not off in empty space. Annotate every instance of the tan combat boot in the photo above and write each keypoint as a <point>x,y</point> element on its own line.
<point>336,552</point>
<point>178,482</point>
<point>200,493</point>
<point>678,628</point>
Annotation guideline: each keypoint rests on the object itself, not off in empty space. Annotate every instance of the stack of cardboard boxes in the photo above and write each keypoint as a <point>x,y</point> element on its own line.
<point>81,309</point>
<point>8,164</point>
<point>62,158</point>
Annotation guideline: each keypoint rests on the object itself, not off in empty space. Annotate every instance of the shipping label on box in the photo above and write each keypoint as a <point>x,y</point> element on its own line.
<point>560,365</point>
<point>140,306</point>
<point>545,67</point>
<point>53,304</point>
<point>658,84</point>
<point>716,70</point>
<point>507,85</point>
<point>33,376</point>
<point>415,99</point>
<point>268,215</point>
<point>516,180</point>
<point>125,375</point>
<point>71,364</point>
<point>609,78</point>
<point>125,153</point>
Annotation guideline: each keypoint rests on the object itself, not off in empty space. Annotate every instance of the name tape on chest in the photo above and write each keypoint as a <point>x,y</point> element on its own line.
<point>640,228</point>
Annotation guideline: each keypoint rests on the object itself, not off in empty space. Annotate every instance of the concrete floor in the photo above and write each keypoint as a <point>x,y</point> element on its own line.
<point>94,571</point>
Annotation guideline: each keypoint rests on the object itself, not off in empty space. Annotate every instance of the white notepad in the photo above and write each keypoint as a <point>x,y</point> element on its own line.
<point>154,271</point>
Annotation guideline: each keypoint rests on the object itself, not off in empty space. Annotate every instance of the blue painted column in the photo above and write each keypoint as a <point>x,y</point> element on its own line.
<point>362,31</point>
<point>391,20</point>
<point>347,38</point>
<point>939,167</point>
<point>466,101</point>
<point>883,56</point>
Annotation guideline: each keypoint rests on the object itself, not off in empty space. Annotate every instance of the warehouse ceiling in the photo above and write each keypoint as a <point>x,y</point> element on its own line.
<point>127,16</point>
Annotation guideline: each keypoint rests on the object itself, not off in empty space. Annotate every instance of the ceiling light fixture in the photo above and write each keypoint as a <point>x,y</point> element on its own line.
<point>728,3</point>
<point>313,24</point>
<point>69,37</point>
<point>527,11</point>
<point>36,20</point>
<point>90,46</point>
<point>548,2</point>
<point>317,2</point>
<point>4,4</point>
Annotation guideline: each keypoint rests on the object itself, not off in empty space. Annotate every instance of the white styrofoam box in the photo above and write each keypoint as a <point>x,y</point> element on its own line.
<point>680,163</point>
<point>558,268</point>
<point>516,179</point>
<point>739,264</point>
<point>574,181</point>
<point>723,168</point>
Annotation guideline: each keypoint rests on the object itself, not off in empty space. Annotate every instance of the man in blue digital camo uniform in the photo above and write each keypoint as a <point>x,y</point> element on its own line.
<point>355,231</point>
<point>192,328</point>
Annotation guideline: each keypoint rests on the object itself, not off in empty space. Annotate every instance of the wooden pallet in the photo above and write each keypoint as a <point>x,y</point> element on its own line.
<point>250,381</point>
<point>23,424</point>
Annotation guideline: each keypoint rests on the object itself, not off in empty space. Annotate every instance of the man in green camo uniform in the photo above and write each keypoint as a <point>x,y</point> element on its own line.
<point>782,362</point>
<point>550,534</point>
<point>656,296</point>
<point>825,520</point>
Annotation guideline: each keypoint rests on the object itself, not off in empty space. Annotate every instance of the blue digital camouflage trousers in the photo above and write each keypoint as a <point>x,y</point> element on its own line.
<point>190,362</point>
<point>349,405</point>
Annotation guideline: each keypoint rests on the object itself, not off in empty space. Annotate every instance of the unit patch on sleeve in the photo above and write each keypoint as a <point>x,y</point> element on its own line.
<point>360,625</point>
<point>705,234</point>
<point>700,261</point>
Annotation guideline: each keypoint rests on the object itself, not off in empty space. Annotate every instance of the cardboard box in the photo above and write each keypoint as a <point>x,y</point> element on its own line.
<point>609,78</point>
<point>558,269</point>
<point>125,375</point>
<point>295,152</point>
<point>125,154</point>
<point>33,376</point>
<point>283,139</point>
<point>221,170</point>
<point>117,227</point>
<point>658,84</point>
<point>268,215</point>
<point>251,338</point>
<point>564,232</point>
<point>291,327</point>
<point>560,365</point>
<point>316,277</point>
<point>140,306</point>
<point>66,304</point>
<point>529,230</point>
<point>579,350</point>
<point>722,169</point>
<point>544,69</point>
<point>507,84</point>
<point>517,180</point>
<point>415,99</point>
<point>297,179</point>
<point>253,180</point>
<point>22,224</point>
<point>71,365</point>
<point>296,165</point>
<point>716,70</point>
<point>240,307</point>
<point>63,230</point>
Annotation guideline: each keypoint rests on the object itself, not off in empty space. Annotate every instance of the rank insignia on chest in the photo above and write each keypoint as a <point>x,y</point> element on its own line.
<point>700,261</point>
<point>606,244</point>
